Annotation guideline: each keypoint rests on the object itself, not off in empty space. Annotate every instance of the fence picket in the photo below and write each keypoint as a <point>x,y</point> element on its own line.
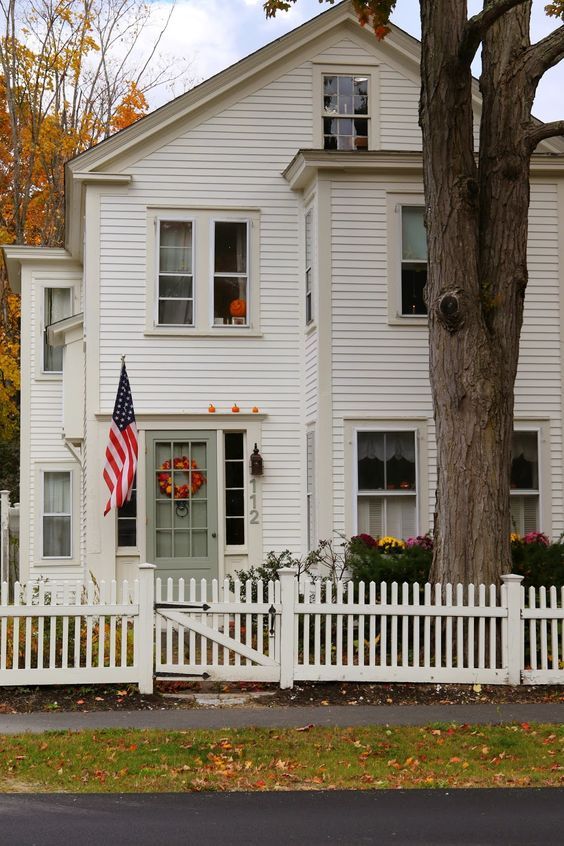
<point>350,626</point>
<point>427,628</point>
<point>471,604</point>
<point>372,625</point>
<point>493,628</point>
<point>416,625</point>
<point>317,627</point>
<point>459,628</point>
<point>361,620</point>
<point>543,630</point>
<point>4,628</point>
<point>40,627</point>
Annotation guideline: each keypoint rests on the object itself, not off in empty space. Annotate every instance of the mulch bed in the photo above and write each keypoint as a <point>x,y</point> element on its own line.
<point>23,700</point>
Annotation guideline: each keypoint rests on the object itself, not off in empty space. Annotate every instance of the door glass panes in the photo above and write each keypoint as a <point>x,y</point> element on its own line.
<point>230,280</point>
<point>387,483</point>
<point>234,489</point>
<point>57,306</point>
<point>345,112</point>
<point>181,499</point>
<point>127,519</point>
<point>57,515</point>
<point>176,280</point>
<point>524,478</point>
<point>413,260</point>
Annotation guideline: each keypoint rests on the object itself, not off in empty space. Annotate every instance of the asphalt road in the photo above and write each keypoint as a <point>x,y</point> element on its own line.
<point>501,817</point>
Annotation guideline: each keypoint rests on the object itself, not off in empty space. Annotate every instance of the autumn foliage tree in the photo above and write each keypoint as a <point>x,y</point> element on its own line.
<point>477,204</point>
<point>71,73</point>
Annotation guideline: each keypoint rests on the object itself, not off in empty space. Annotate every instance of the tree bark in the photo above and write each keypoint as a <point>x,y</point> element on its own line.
<point>477,237</point>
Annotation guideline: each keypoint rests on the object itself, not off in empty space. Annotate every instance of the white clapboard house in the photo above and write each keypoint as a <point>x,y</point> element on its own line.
<point>258,243</point>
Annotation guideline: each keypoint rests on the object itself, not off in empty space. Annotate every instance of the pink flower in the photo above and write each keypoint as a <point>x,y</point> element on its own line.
<point>536,537</point>
<point>423,541</point>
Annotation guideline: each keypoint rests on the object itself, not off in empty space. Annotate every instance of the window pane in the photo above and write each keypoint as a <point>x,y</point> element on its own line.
<point>230,299</point>
<point>234,474</point>
<point>127,532</point>
<point>414,235</point>
<point>524,461</point>
<point>329,85</point>
<point>524,514</point>
<point>175,286</point>
<point>230,247</point>
<point>413,281</point>
<point>386,460</point>
<point>176,312</point>
<point>235,531</point>
<point>234,502</point>
<point>57,306</point>
<point>233,445</point>
<point>175,252</point>
<point>56,537</point>
<point>371,455</point>
<point>56,499</point>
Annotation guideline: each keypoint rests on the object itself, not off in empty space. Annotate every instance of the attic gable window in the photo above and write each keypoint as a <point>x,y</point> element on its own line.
<point>176,279</point>
<point>345,112</point>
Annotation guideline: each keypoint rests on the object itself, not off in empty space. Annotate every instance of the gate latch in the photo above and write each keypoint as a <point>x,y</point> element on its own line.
<point>272,612</point>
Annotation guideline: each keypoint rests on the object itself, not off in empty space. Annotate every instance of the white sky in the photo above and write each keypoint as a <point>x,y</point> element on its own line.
<point>217,33</point>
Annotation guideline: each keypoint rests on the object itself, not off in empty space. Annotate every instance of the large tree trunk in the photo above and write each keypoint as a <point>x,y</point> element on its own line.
<point>477,236</point>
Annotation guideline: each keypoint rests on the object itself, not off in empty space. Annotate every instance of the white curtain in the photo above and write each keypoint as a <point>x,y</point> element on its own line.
<point>414,234</point>
<point>176,246</point>
<point>386,445</point>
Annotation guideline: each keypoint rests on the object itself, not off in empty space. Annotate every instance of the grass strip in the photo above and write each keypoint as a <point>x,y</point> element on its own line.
<point>308,758</point>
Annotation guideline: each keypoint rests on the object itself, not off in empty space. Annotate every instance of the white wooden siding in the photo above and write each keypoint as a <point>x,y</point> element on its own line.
<point>311,375</point>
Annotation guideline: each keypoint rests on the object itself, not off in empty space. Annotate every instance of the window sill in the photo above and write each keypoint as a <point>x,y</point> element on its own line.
<point>211,332</point>
<point>310,328</point>
<point>49,377</point>
<point>408,320</point>
<point>127,552</point>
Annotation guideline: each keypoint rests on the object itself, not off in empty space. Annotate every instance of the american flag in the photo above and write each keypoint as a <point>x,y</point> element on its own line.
<point>121,452</point>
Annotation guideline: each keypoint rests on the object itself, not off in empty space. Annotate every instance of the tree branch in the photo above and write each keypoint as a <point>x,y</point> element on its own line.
<point>539,132</point>
<point>545,53</point>
<point>477,26</point>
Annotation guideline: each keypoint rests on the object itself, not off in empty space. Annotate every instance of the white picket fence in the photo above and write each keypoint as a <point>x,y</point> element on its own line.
<point>281,631</point>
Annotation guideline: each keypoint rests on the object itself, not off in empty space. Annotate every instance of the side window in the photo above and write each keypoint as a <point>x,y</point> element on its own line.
<point>57,305</point>
<point>413,260</point>
<point>127,520</point>
<point>57,516</point>
<point>176,277</point>
<point>345,112</point>
<point>230,273</point>
<point>308,268</point>
<point>525,482</point>
<point>234,489</point>
<point>386,483</point>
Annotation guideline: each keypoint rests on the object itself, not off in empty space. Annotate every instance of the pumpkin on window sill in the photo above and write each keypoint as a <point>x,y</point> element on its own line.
<point>405,486</point>
<point>238,308</point>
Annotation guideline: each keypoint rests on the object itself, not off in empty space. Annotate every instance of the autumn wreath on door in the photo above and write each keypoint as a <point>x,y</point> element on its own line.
<point>189,471</point>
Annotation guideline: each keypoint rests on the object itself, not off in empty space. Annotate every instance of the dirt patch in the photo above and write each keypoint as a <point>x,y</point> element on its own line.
<point>23,700</point>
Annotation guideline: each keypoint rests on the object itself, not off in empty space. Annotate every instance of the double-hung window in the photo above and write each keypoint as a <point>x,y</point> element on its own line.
<point>230,272</point>
<point>386,483</point>
<point>57,516</point>
<point>57,304</point>
<point>176,275</point>
<point>345,112</point>
<point>308,268</point>
<point>413,260</point>
<point>525,482</point>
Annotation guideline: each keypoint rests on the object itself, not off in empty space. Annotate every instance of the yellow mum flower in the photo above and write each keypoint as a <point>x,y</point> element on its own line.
<point>388,542</point>
<point>513,537</point>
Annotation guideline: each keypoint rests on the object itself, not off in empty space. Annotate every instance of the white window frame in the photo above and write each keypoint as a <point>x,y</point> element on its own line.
<point>174,218</point>
<point>50,374</point>
<point>235,548</point>
<point>309,268</point>
<point>382,428</point>
<point>202,219</point>
<point>212,274</point>
<point>395,203</point>
<point>57,469</point>
<point>368,68</point>
<point>521,426</point>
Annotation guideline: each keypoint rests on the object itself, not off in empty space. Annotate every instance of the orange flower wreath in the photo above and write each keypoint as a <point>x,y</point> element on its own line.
<point>181,491</point>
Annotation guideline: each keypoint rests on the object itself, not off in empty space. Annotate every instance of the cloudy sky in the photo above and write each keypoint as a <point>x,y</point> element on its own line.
<point>217,33</point>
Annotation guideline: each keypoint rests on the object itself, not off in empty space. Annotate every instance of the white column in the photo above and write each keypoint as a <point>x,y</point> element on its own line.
<point>144,652</point>
<point>4,535</point>
<point>287,577</point>
<point>514,641</point>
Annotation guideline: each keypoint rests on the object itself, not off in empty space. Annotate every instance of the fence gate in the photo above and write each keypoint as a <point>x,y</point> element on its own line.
<point>232,635</point>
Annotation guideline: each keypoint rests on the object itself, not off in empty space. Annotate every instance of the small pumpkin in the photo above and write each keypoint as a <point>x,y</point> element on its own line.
<point>238,308</point>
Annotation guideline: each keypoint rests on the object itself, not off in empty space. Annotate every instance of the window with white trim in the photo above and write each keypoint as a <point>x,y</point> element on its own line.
<point>346,115</point>
<point>57,514</point>
<point>525,490</point>
<point>308,268</point>
<point>57,304</point>
<point>230,273</point>
<point>127,519</point>
<point>234,443</point>
<point>413,260</point>
<point>176,275</point>
<point>386,475</point>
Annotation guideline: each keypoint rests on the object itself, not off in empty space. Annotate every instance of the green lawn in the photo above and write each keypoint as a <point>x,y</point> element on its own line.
<point>284,759</point>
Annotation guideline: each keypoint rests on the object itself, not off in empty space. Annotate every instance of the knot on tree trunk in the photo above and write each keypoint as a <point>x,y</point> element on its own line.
<point>449,308</point>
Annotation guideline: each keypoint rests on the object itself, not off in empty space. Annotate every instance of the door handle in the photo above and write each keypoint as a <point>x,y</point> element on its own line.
<point>214,534</point>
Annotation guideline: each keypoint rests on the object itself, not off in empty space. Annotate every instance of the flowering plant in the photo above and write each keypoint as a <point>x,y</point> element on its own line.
<point>367,540</point>
<point>422,541</point>
<point>390,544</point>
<point>536,537</point>
<point>196,478</point>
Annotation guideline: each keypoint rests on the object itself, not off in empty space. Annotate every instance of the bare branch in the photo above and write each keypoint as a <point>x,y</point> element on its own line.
<point>478,25</point>
<point>539,132</point>
<point>546,53</point>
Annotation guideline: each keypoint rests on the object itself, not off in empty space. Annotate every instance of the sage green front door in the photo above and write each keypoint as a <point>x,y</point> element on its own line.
<point>182,504</point>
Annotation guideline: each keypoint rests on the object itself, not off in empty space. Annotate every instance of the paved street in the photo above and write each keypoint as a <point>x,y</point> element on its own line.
<point>336,715</point>
<point>505,817</point>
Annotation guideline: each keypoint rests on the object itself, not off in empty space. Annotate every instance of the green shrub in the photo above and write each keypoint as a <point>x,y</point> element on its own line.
<point>370,564</point>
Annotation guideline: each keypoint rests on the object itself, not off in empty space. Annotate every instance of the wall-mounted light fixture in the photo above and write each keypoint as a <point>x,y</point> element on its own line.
<point>256,462</point>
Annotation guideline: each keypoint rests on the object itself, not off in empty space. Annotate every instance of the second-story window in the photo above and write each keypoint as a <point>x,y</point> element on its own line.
<point>57,305</point>
<point>413,260</point>
<point>176,278</point>
<point>308,268</point>
<point>345,112</point>
<point>230,273</point>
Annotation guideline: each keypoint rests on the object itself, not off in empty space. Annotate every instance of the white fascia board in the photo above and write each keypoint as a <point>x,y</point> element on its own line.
<point>16,255</point>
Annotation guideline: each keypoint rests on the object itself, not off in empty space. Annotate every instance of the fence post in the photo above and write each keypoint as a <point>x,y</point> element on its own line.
<point>4,535</point>
<point>514,639</point>
<point>145,631</point>
<point>287,577</point>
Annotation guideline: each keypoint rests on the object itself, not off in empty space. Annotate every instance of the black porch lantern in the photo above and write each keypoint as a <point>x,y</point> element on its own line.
<point>256,462</point>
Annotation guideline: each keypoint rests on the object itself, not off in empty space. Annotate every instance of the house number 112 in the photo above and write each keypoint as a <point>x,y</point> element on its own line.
<point>253,514</point>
